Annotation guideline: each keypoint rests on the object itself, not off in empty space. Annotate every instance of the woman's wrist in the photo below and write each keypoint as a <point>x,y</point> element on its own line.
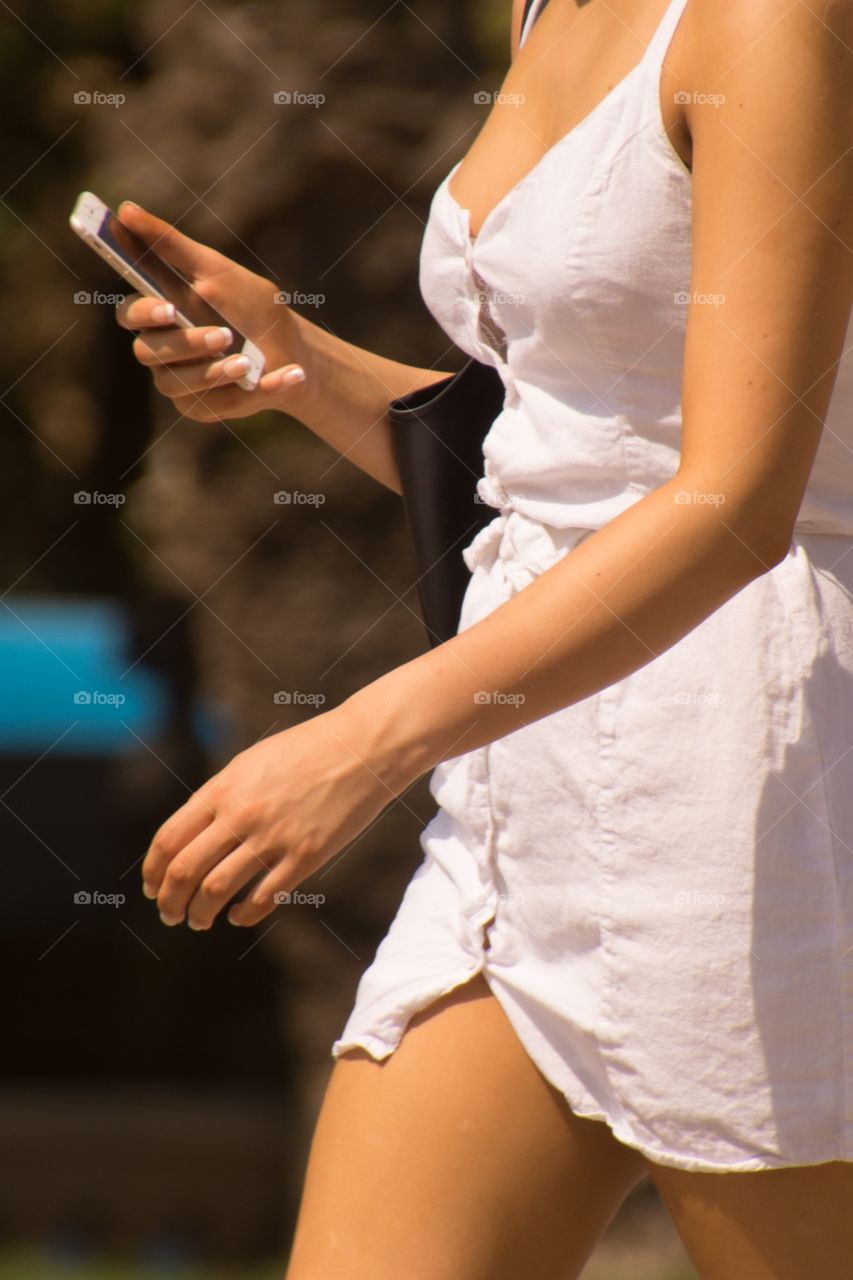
<point>345,396</point>
<point>297,348</point>
<point>381,723</point>
<point>344,376</point>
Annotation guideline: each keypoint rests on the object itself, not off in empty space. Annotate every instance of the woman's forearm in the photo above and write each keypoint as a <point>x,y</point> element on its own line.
<point>347,393</point>
<point>608,607</point>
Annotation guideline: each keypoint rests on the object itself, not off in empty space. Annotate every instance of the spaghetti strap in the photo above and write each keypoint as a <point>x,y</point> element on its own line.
<point>659,44</point>
<point>533,11</point>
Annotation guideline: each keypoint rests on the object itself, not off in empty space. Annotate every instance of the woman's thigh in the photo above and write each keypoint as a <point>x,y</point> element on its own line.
<point>454,1159</point>
<point>774,1224</point>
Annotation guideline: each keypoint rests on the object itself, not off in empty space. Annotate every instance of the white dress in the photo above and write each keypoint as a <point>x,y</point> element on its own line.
<point>664,870</point>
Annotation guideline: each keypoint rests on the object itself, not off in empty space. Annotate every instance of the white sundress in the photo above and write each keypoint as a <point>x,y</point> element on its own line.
<point>657,881</point>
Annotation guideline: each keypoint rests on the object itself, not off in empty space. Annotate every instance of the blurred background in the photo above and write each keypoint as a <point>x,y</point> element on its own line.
<point>161,611</point>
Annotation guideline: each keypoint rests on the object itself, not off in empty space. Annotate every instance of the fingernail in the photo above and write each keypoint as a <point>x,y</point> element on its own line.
<point>169,920</point>
<point>196,928</point>
<point>236,367</point>
<point>128,204</point>
<point>149,890</point>
<point>218,338</point>
<point>291,376</point>
<point>164,311</point>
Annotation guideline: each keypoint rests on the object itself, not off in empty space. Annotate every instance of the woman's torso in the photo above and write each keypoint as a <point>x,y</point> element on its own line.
<point>576,287</point>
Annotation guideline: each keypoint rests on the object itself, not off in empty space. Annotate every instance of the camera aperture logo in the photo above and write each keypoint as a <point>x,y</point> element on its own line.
<point>283,898</point>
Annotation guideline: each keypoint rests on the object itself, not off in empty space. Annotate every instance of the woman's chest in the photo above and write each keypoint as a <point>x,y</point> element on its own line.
<point>565,72</point>
<point>589,255</point>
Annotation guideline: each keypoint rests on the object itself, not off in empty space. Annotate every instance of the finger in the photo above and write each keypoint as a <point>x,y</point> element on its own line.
<point>190,257</point>
<point>222,882</point>
<point>172,346</point>
<point>137,311</point>
<point>195,379</point>
<point>183,826</point>
<point>283,379</point>
<point>261,901</point>
<point>185,872</point>
<point>230,401</point>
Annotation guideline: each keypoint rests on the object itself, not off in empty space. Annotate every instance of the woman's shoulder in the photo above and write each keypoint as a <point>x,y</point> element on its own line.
<point>748,56</point>
<point>762,28</point>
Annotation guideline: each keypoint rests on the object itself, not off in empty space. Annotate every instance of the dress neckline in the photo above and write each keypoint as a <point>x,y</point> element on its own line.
<point>570,134</point>
<point>531,173</point>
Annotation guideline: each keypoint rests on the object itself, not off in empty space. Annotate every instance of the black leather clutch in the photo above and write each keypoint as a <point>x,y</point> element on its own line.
<point>437,438</point>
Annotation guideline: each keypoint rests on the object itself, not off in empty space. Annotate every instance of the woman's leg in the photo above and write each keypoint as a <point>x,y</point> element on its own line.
<point>775,1224</point>
<point>454,1159</point>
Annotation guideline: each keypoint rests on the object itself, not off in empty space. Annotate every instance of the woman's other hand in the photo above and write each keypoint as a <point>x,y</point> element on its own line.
<point>275,814</point>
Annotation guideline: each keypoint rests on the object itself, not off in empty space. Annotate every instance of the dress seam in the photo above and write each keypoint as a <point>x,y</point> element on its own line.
<point>826,818</point>
<point>605,738</point>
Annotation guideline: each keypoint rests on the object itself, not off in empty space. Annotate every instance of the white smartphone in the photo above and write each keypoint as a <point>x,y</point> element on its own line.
<point>99,227</point>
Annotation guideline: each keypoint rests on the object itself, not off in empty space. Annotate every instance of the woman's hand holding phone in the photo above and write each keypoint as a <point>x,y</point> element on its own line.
<point>183,362</point>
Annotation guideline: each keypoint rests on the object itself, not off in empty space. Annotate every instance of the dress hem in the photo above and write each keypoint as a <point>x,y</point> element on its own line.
<point>380,1048</point>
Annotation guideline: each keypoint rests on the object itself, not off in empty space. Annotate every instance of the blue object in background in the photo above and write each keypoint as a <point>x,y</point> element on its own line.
<point>64,679</point>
